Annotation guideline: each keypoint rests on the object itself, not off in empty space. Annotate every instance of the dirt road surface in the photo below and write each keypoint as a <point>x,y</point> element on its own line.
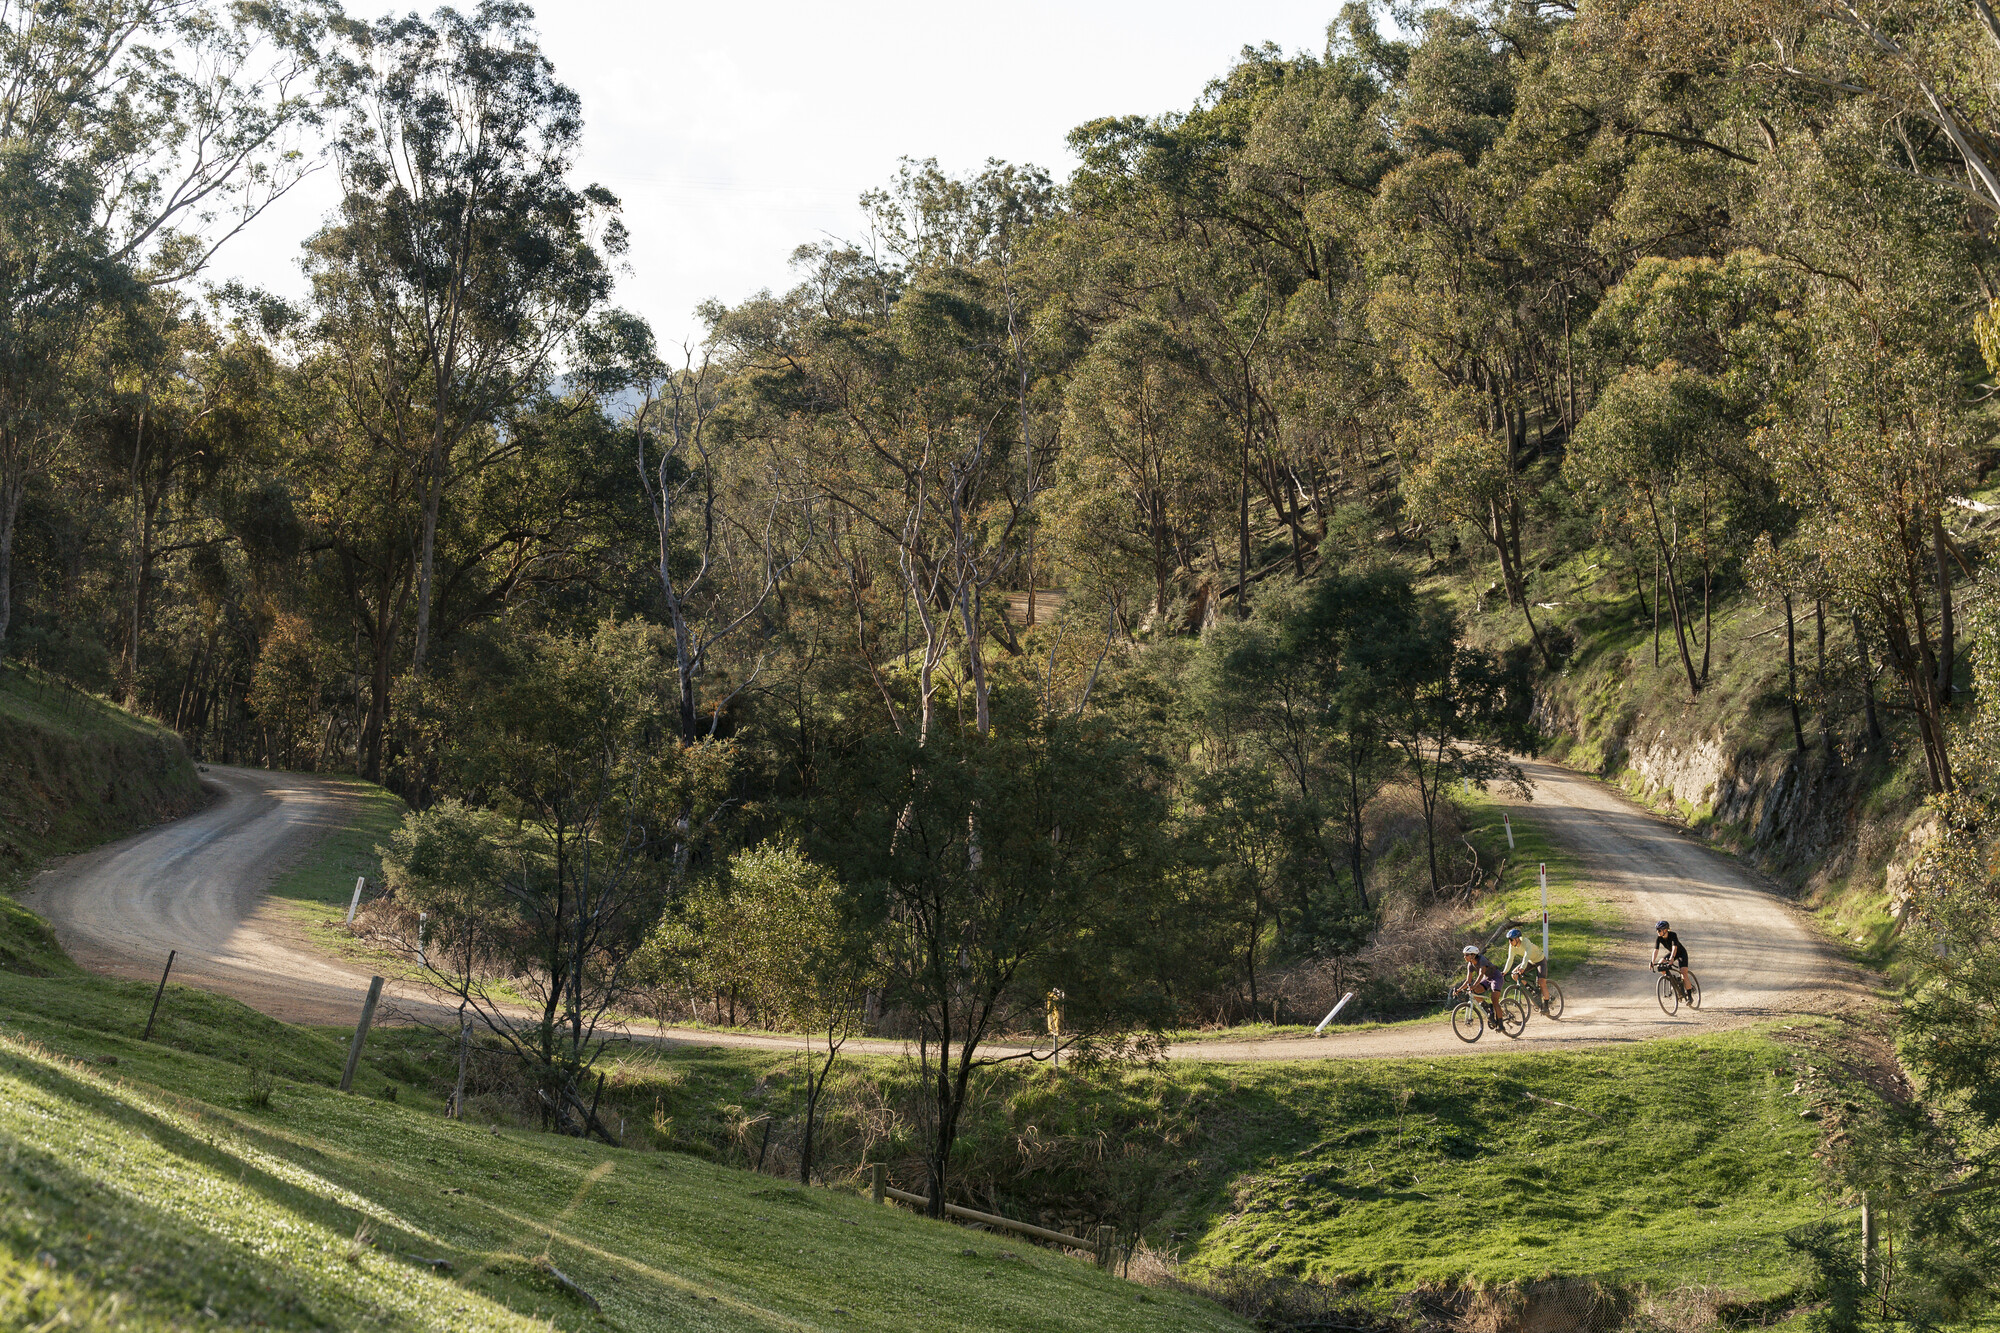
<point>197,885</point>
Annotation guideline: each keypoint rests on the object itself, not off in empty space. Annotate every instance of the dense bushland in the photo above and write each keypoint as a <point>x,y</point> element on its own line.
<point>1029,615</point>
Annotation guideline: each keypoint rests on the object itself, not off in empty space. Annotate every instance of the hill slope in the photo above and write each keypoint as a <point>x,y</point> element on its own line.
<point>75,770</point>
<point>215,1173</point>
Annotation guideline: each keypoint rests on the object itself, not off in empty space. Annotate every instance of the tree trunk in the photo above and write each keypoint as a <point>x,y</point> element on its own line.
<point>1356,838</point>
<point>948,1100</point>
<point>375,730</point>
<point>1820,698</point>
<point>1792,679</point>
<point>1638,584</point>
<point>1511,575</point>
<point>1031,578</point>
<point>1913,664</point>
<point>1674,600</point>
<point>1428,798</point>
<point>1250,948</point>
<point>975,655</point>
<point>1874,723</point>
<point>12,487</point>
<point>806,1144</point>
<point>130,667</point>
<point>1707,619</point>
<point>427,556</point>
<point>1293,513</point>
<point>378,710</point>
<point>464,1051</point>
<point>1243,526</point>
<point>1947,652</point>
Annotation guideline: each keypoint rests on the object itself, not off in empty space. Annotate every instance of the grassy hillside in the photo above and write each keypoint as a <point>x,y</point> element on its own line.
<point>75,770</point>
<point>1652,1166</point>
<point>1583,922</point>
<point>215,1175</point>
<point>325,876</point>
<point>315,892</point>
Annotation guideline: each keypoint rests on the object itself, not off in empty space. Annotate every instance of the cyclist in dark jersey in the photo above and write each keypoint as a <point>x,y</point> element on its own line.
<point>1482,980</point>
<point>1675,952</point>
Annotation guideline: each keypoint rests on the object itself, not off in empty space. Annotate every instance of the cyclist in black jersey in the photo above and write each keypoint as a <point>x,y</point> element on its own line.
<point>1667,946</point>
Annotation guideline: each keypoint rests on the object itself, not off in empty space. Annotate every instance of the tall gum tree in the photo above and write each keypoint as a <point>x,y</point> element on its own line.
<point>463,262</point>
<point>136,136</point>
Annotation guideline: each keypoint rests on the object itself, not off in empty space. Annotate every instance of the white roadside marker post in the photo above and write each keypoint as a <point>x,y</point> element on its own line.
<point>361,881</point>
<point>1545,932</point>
<point>1333,1013</point>
<point>1510,830</point>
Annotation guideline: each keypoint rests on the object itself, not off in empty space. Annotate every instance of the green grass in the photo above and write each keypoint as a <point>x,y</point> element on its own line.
<point>76,770</point>
<point>326,874</point>
<point>1682,1161</point>
<point>1669,1163</point>
<point>1583,921</point>
<point>314,893</point>
<point>156,1192</point>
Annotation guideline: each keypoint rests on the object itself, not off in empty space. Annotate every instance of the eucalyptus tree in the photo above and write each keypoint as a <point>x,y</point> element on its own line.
<point>1165,227</point>
<point>1645,453</point>
<point>730,521</point>
<point>463,262</point>
<point>565,871</point>
<point>1257,202</point>
<point>1700,350</point>
<point>1296,693</point>
<point>903,394</point>
<point>175,404</point>
<point>1872,427</point>
<point>1451,711</point>
<point>1462,292</point>
<point>139,135</point>
<point>1143,476</point>
<point>1872,452</point>
<point>778,931</point>
<point>992,871</point>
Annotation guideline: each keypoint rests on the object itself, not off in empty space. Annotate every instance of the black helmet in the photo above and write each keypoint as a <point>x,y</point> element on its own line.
<point>1514,934</point>
<point>1659,925</point>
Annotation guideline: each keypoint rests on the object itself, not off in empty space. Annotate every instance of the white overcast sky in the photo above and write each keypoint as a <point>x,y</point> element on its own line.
<point>735,132</point>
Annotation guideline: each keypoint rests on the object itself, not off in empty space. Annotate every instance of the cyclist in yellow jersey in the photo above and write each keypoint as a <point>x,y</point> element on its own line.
<point>1529,955</point>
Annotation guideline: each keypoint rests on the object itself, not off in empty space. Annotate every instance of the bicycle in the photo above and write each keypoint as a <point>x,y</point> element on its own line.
<point>1530,990</point>
<point>1672,994</point>
<point>1472,1015</point>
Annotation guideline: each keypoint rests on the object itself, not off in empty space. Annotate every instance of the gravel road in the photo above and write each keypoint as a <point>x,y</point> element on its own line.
<point>197,885</point>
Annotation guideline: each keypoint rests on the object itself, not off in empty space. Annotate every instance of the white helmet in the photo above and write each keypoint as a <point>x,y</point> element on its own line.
<point>1471,951</point>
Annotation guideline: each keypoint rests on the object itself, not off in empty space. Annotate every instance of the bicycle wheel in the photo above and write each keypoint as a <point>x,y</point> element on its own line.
<point>1521,993</point>
<point>1554,1007</point>
<point>1513,1014</point>
<point>1694,991</point>
<point>1467,1023</point>
<point>1670,999</point>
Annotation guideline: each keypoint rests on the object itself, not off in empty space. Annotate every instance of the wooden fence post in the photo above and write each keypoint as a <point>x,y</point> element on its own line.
<point>1107,1238</point>
<point>158,993</point>
<point>361,1034</point>
<point>881,1183</point>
